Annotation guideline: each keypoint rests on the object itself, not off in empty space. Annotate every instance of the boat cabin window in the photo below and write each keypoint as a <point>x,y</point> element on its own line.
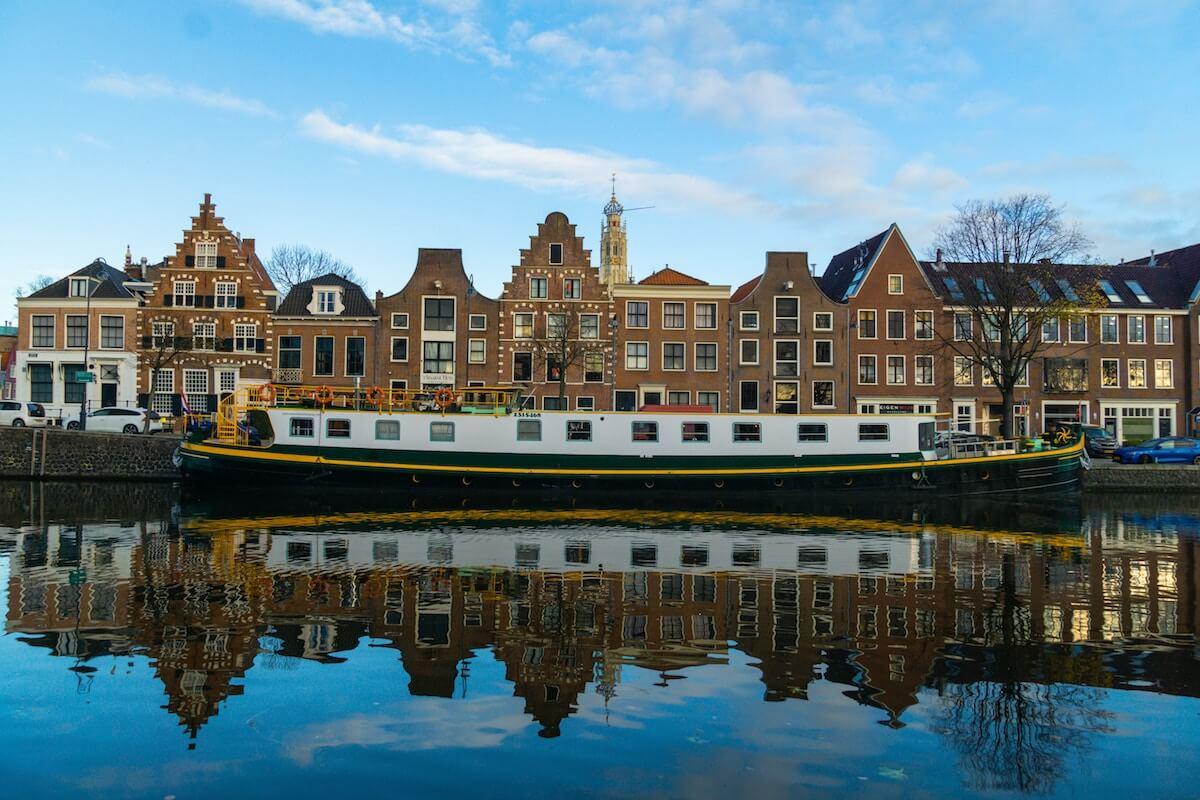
<point>812,432</point>
<point>873,432</point>
<point>747,432</point>
<point>337,428</point>
<point>645,431</point>
<point>579,430</point>
<point>301,427</point>
<point>529,430</point>
<point>695,431</point>
<point>926,436</point>
<point>387,429</point>
<point>441,431</point>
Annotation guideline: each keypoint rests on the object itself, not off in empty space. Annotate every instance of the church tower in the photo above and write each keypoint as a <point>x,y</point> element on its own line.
<point>614,268</point>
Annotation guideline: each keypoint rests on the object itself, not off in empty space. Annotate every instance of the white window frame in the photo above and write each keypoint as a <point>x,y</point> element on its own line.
<point>1117,382</point>
<point>917,373</point>
<point>1129,328</point>
<point>545,283</point>
<point>903,370</point>
<point>225,294</point>
<point>832,393</point>
<point>682,315</point>
<point>1116,329</point>
<point>959,363</point>
<point>859,319</point>
<point>582,335</point>
<point>326,301</point>
<point>1170,384</point>
<point>631,326</point>
<point>197,389</point>
<point>742,325</point>
<point>1170,329</point>
<point>899,279</point>
<point>874,359</point>
<point>1071,330</point>
<point>577,292</point>
<point>887,321</point>
<point>205,255</point>
<point>817,362</point>
<point>101,344</point>
<point>741,352</point>
<point>629,355</point>
<point>516,327</point>
<point>481,357</point>
<point>696,356</point>
<point>202,330</point>
<point>1145,382</point>
<point>822,328</point>
<point>562,253</point>
<point>917,325</point>
<point>683,360</point>
<point>392,350</point>
<point>53,332</point>
<point>696,316</point>
<point>239,330</point>
<point>482,318</point>
<point>190,286</point>
<point>400,320</point>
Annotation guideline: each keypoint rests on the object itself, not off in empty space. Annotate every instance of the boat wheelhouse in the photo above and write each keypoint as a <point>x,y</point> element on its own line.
<point>482,437</point>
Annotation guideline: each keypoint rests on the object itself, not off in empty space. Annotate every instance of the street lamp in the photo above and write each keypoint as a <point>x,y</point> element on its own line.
<point>87,341</point>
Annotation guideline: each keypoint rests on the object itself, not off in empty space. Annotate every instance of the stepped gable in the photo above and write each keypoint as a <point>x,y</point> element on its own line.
<point>557,229</point>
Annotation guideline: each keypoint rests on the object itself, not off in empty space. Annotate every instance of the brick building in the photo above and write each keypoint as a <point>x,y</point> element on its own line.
<point>325,333</point>
<point>438,330</point>
<point>205,327</point>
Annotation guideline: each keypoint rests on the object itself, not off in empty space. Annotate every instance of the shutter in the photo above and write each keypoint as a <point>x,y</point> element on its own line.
<point>260,345</point>
<point>241,301</point>
<point>212,404</point>
<point>207,301</point>
<point>220,261</point>
<point>143,400</point>
<point>147,342</point>
<point>177,404</point>
<point>189,261</point>
<point>168,300</point>
<point>225,345</point>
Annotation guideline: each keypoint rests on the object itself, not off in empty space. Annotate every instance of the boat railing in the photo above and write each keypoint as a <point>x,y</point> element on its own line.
<point>983,449</point>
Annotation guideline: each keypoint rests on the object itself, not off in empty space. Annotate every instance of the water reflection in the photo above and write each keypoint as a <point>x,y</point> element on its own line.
<point>1006,645</point>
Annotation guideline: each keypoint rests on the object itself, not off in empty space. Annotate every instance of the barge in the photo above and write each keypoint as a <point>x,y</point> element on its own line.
<point>483,438</point>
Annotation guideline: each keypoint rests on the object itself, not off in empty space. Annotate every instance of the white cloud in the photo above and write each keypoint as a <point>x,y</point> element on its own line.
<point>487,156</point>
<point>1056,164</point>
<point>922,175</point>
<point>151,87</point>
<point>456,28</point>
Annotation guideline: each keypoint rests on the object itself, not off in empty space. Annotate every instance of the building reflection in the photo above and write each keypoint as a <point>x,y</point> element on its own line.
<point>885,614</point>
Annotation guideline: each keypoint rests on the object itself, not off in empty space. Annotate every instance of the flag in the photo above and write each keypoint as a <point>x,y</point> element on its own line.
<point>183,403</point>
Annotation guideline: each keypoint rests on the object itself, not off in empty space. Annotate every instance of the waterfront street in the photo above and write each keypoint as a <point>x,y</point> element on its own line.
<point>165,646</point>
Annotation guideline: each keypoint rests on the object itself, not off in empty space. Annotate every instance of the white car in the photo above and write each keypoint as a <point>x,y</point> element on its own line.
<point>16,414</point>
<point>115,419</point>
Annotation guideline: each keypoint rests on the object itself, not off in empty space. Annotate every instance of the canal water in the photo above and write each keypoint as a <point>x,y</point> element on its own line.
<point>157,646</point>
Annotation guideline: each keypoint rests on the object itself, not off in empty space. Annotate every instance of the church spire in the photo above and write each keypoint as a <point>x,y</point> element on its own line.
<point>614,268</point>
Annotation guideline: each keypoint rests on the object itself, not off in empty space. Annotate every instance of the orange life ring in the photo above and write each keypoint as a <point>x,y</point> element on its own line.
<point>444,398</point>
<point>375,396</point>
<point>267,393</point>
<point>324,395</point>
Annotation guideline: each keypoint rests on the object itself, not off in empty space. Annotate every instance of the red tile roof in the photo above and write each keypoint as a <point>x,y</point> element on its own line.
<point>670,277</point>
<point>745,289</point>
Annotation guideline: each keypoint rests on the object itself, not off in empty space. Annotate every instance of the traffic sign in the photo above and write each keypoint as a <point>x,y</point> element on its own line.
<point>84,377</point>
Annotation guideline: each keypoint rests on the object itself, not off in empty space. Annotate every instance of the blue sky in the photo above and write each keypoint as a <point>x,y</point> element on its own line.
<point>370,128</point>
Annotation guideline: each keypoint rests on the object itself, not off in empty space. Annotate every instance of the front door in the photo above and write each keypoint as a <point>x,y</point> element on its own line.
<point>108,394</point>
<point>626,400</point>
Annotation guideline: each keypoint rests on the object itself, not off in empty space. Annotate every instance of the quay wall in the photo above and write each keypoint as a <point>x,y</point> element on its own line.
<point>1144,478</point>
<point>52,454</point>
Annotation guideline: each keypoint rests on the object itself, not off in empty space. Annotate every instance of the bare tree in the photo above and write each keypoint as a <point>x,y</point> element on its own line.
<point>290,264</point>
<point>37,284</point>
<point>567,344</point>
<point>1007,281</point>
<point>161,352</point>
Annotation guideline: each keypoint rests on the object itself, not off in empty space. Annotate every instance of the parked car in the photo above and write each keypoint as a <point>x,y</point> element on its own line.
<point>1167,450</point>
<point>114,419</point>
<point>19,415</point>
<point>1098,441</point>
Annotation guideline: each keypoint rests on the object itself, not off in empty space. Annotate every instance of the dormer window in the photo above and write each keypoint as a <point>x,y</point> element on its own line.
<point>556,253</point>
<point>326,301</point>
<point>79,287</point>
<point>206,254</point>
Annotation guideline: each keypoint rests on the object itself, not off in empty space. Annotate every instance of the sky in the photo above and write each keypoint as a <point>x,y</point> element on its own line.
<point>370,128</point>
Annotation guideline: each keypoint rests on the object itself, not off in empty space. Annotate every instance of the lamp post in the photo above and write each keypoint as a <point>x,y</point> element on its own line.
<point>612,327</point>
<point>87,341</point>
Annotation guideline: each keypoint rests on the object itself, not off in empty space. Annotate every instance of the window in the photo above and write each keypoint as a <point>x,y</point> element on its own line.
<point>356,356</point>
<point>556,253</point>
<point>823,352</point>
<point>226,380</point>
<point>1162,330</point>
<point>1109,292</point>
<point>529,430</point>
<point>225,295</point>
<point>164,391</point>
<point>873,432</point>
<point>787,358</point>
<point>522,367</point>
<point>1077,330</point>
<point>923,325</point>
<point>579,430</point>
<point>823,394</point>
<point>73,389</point>
<point>301,428</point>
<point>1067,289</point>
<point>962,326</point>
<point>185,294</point>
<point>538,288</point>
<point>866,325</point>
<point>1164,377</point>
<point>679,398</point>
<point>709,399</point>
<point>245,337</point>
<point>1138,291</point>
<point>694,432</point>
<point>441,431</point>
<point>747,432</point>
<point>673,315</point>
<point>79,287</point>
<point>748,351</point>
<point>323,356</point>
<point>1110,377</point>
<point>42,334</point>
<point>964,371</point>
<point>1137,373</point>
<point>895,370</point>
<point>439,313</point>
<point>572,288</point>
<point>1108,328</point>
<point>637,314</point>
<point>437,358</point>
<point>644,431</point>
<point>556,326</point>
<point>991,328</point>
<point>554,403</point>
<point>706,316</point>
<point>289,352</point>
<point>204,336</point>
<point>866,370</point>
<point>523,325</point>
<point>112,333</point>
<point>923,370</point>
<point>77,330</point>
<point>673,356</point>
<point>400,348</point>
<point>748,320</point>
<point>1137,329</point>
<point>895,284</point>
<point>476,351</point>
<point>706,357</point>
<point>985,291</point>
<point>195,386</point>
<point>41,383</point>
<point>477,322</point>
<point>387,429</point>
<point>637,355</point>
<point>163,333</point>
<point>400,322</point>
<point>748,396</point>
<point>895,324</point>
<point>206,255</point>
<point>954,289</point>
<point>326,301</point>
<point>589,326</point>
<point>1039,289</point>
<point>823,321</point>
<point>812,432</point>
<point>584,403</point>
<point>787,397</point>
<point>593,367</point>
<point>787,314</point>
<point>1050,332</point>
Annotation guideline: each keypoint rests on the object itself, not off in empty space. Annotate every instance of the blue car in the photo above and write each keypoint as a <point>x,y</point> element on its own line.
<point>1167,450</point>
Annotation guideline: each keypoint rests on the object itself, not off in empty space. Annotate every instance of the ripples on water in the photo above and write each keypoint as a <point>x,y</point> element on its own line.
<point>275,648</point>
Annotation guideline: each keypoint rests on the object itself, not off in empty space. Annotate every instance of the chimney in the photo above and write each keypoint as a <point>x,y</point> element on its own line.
<point>207,199</point>
<point>378,297</point>
<point>938,264</point>
<point>1153,261</point>
<point>248,247</point>
<point>1007,257</point>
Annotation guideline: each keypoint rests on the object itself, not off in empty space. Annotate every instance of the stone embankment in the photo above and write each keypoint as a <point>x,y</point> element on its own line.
<point>1142,478</point>
<point>53,454</point>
